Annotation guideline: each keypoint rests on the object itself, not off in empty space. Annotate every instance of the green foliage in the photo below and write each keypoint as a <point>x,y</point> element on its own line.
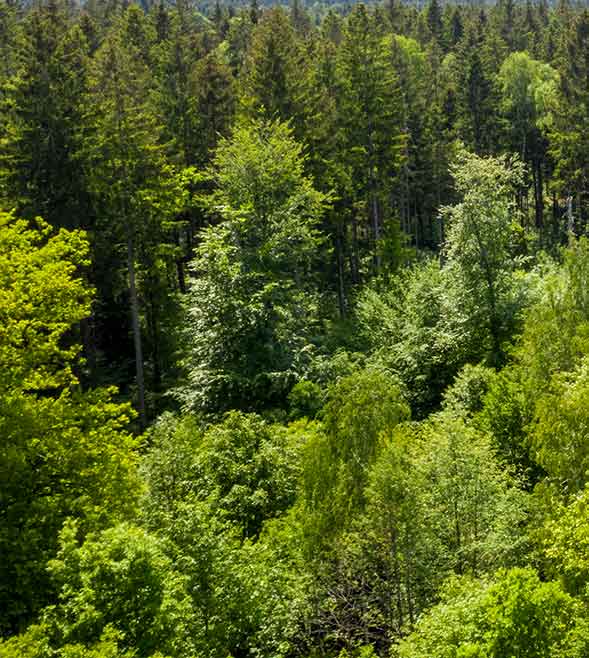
<point>137,191</point>
<point>305,399</point>
<point>555,332</point>
<point>371,139</point>
<point>480,510</point>
<point>292,508</point>
<point>564,540</point>
<point>436,503</point>
<point>243,469</point>
<point>336,461</point>
<point>559,430</point>
<point>45,120</point>
<point>170,468</point>
<point>534,408</point>
<point>252,307</point>
<point>468,391</point>
<point>480,248</point>
<point>207,491</point>
<point>390,562</point>
<point>65,451</point>
<point>505,415</point>
<point>250,469</point>
<point>529,91</point>
<point>35,644</point>
<point>359,408</point>
<point>414,328</point>
<point>121,578</point>
<point>41,297</point>
<point>517,614</point>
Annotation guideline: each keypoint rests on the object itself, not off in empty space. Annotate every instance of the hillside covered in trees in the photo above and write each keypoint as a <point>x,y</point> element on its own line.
<point>294,330</point>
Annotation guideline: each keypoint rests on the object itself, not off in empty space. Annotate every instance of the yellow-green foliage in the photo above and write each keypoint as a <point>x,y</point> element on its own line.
<point>64,451</point>
<point>40,299</point>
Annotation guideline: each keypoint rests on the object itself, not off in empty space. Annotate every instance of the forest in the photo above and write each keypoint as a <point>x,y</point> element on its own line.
<point>294,330</point>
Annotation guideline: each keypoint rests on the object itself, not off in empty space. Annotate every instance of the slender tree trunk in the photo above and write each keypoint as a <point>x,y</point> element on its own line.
<point>341,289</point>
<point>156,382</point>
<point>570,219</point>
<point>538,194</point>
<point>373,201</point>
<point>398,581</point>
<point>375,230</point>
<point>136,332</point>
<point>354,257</point>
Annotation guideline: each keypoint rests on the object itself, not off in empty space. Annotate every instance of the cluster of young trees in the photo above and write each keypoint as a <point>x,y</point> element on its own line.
<point>294,331</point>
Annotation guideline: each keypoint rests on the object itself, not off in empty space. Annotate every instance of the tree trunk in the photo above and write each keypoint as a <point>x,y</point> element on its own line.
<point>136,333</point>
<point>540,209</point>
<point>341,289</point>
<point>570,220</point>
<point>354,256</point>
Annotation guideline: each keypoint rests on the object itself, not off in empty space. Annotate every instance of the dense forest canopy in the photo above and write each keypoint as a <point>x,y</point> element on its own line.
<point>294,330</point>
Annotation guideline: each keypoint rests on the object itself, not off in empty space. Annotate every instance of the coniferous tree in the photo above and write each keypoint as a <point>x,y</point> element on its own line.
<point>46,122</point>
<point>371,135</point>
<point>136,191</point>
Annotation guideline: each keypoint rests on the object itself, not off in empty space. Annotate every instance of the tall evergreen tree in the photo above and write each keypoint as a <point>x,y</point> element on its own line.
<point>370,133</point>
<point>136,192</point>
<point>46,122</point>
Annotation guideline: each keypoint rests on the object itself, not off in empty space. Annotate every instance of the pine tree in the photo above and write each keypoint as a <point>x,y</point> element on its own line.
<point>137,193</point>
<point>45,123</point>
<point>371,136</point>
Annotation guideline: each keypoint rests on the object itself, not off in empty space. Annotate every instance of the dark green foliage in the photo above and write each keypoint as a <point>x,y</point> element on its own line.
<point>312,238</point>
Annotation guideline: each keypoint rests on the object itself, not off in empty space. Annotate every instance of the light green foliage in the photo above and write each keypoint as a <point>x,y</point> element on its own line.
<point>40,299</point>
<point>243,468</point>
<point>305,399</point>
<point>565,542</point>
<point>430,320</point>
<point>413,328</point>
<point>207,490</point>
<point>479,509</point>
<point>35,644</point>
<point>529,91</point>
<point>556,331</point>
<point>480,248</point>
<point>32,644</point>
<point>250,469</point>
<point>392,561</point>
<point>65,452</point>
<point>253,303</point>
<point>516,615</point>
<point>534,408</point>
<point>122,578</point>
<point>559,431</point>
<point>468,390</point>
<point>506,412</point>
<point>261,600</point>
<point>360,408</point>
<point>436,503</point>
<point>170,468</point>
